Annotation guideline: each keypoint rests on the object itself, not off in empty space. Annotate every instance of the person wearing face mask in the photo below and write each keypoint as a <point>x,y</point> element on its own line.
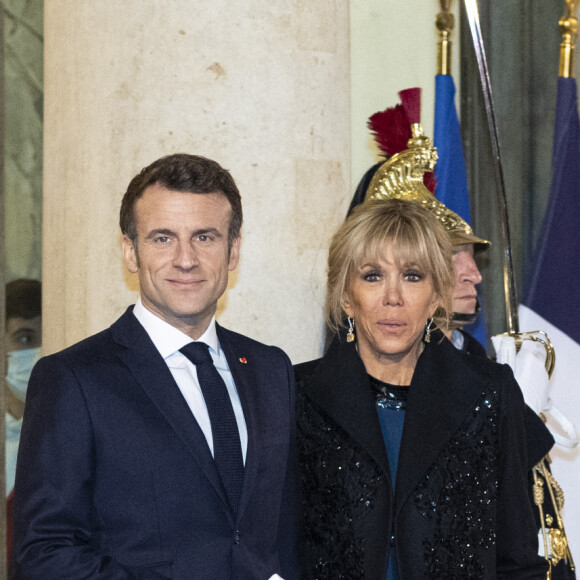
<point>23,346</point>
<point>23,339</point>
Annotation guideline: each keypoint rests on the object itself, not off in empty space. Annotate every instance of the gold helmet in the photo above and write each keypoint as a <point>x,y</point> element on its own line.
<point>401,177</point>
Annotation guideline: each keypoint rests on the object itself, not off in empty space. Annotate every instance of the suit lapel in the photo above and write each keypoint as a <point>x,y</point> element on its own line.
<point>244,375</point>
<point>341,388</point>
<point>439,402</point>
<point>150,371</point>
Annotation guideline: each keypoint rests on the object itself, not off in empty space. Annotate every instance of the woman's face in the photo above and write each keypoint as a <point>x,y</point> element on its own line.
<point>390,304</point>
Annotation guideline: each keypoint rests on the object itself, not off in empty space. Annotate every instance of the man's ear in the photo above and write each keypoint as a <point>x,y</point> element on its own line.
<point>234,254</point>
<point>130,255</point>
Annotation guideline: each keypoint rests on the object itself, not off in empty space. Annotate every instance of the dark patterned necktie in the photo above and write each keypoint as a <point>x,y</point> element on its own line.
<point>227,449</point>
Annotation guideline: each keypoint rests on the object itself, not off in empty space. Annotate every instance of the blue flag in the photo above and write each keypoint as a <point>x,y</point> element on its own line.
<point>450,172</point>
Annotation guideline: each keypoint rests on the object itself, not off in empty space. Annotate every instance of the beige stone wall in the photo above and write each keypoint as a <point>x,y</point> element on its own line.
<point>262,88</point>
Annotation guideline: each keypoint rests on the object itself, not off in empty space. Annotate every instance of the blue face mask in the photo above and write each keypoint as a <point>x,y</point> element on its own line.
<point>20,363</point>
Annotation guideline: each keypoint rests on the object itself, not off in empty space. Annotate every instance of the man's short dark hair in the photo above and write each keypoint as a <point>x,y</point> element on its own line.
<point>23,299</point>
<point>187,173</point>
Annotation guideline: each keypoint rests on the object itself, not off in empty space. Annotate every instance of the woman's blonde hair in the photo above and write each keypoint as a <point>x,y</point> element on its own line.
<point>415,236</point>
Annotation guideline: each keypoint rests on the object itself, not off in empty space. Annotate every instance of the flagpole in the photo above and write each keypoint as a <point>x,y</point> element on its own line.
<point>444,22</point>
<point>569,27</point>
<point>511,301</point>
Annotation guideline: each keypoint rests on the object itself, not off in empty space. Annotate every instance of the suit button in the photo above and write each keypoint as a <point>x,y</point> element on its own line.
<point>237,537</point>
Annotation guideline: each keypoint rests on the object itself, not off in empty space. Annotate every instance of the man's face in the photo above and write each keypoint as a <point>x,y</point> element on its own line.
<point>466,277</point>
<point>181,255</point>
<point>23,333</point>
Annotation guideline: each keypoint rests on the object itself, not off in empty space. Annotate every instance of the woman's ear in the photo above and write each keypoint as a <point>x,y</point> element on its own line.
<point>345,303</point>
<point>435,304</point>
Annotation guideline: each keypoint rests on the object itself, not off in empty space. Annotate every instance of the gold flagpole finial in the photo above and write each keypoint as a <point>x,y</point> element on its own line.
<point>569,27</point>
<point>444,22</point>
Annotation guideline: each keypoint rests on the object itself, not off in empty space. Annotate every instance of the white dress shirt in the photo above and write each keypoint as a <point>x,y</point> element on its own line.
<point>168,340</point>
<point>13,428</point>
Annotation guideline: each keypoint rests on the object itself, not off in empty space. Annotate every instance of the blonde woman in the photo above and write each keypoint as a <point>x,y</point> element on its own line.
<point>411,465</point>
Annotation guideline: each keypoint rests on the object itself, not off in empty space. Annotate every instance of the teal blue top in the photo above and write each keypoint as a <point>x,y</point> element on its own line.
<point>391,404</point>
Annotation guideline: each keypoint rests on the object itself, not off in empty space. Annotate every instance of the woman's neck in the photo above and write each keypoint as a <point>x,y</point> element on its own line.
<point>395,370</point>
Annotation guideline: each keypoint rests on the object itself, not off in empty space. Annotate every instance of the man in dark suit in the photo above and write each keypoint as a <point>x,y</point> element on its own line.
<point>162,447</point>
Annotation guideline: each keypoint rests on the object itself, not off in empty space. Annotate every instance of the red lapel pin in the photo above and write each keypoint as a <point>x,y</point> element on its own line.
<point>243,360</point>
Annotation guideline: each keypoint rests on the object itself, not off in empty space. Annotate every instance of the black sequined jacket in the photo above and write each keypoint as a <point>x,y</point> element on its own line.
<point>461,507</point>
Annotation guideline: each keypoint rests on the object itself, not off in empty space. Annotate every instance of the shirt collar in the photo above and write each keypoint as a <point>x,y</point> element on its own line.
<point>13,425</point>
<point>168,339</point>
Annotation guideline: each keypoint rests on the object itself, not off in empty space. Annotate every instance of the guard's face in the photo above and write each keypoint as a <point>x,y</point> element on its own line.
<point>181,255</point>
<point>466,277</point>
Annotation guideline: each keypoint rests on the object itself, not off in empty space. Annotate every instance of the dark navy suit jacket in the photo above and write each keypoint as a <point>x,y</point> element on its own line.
<point>116,480</point>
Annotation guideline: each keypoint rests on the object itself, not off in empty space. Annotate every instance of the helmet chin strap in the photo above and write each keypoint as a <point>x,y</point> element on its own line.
<point>459,319</point>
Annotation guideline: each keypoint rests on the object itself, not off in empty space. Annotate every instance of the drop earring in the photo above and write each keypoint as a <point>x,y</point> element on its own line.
<point>350,333</point>
<point>428,326</point>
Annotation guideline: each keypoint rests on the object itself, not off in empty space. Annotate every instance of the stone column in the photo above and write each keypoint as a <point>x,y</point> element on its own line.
<point>263,88</point>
